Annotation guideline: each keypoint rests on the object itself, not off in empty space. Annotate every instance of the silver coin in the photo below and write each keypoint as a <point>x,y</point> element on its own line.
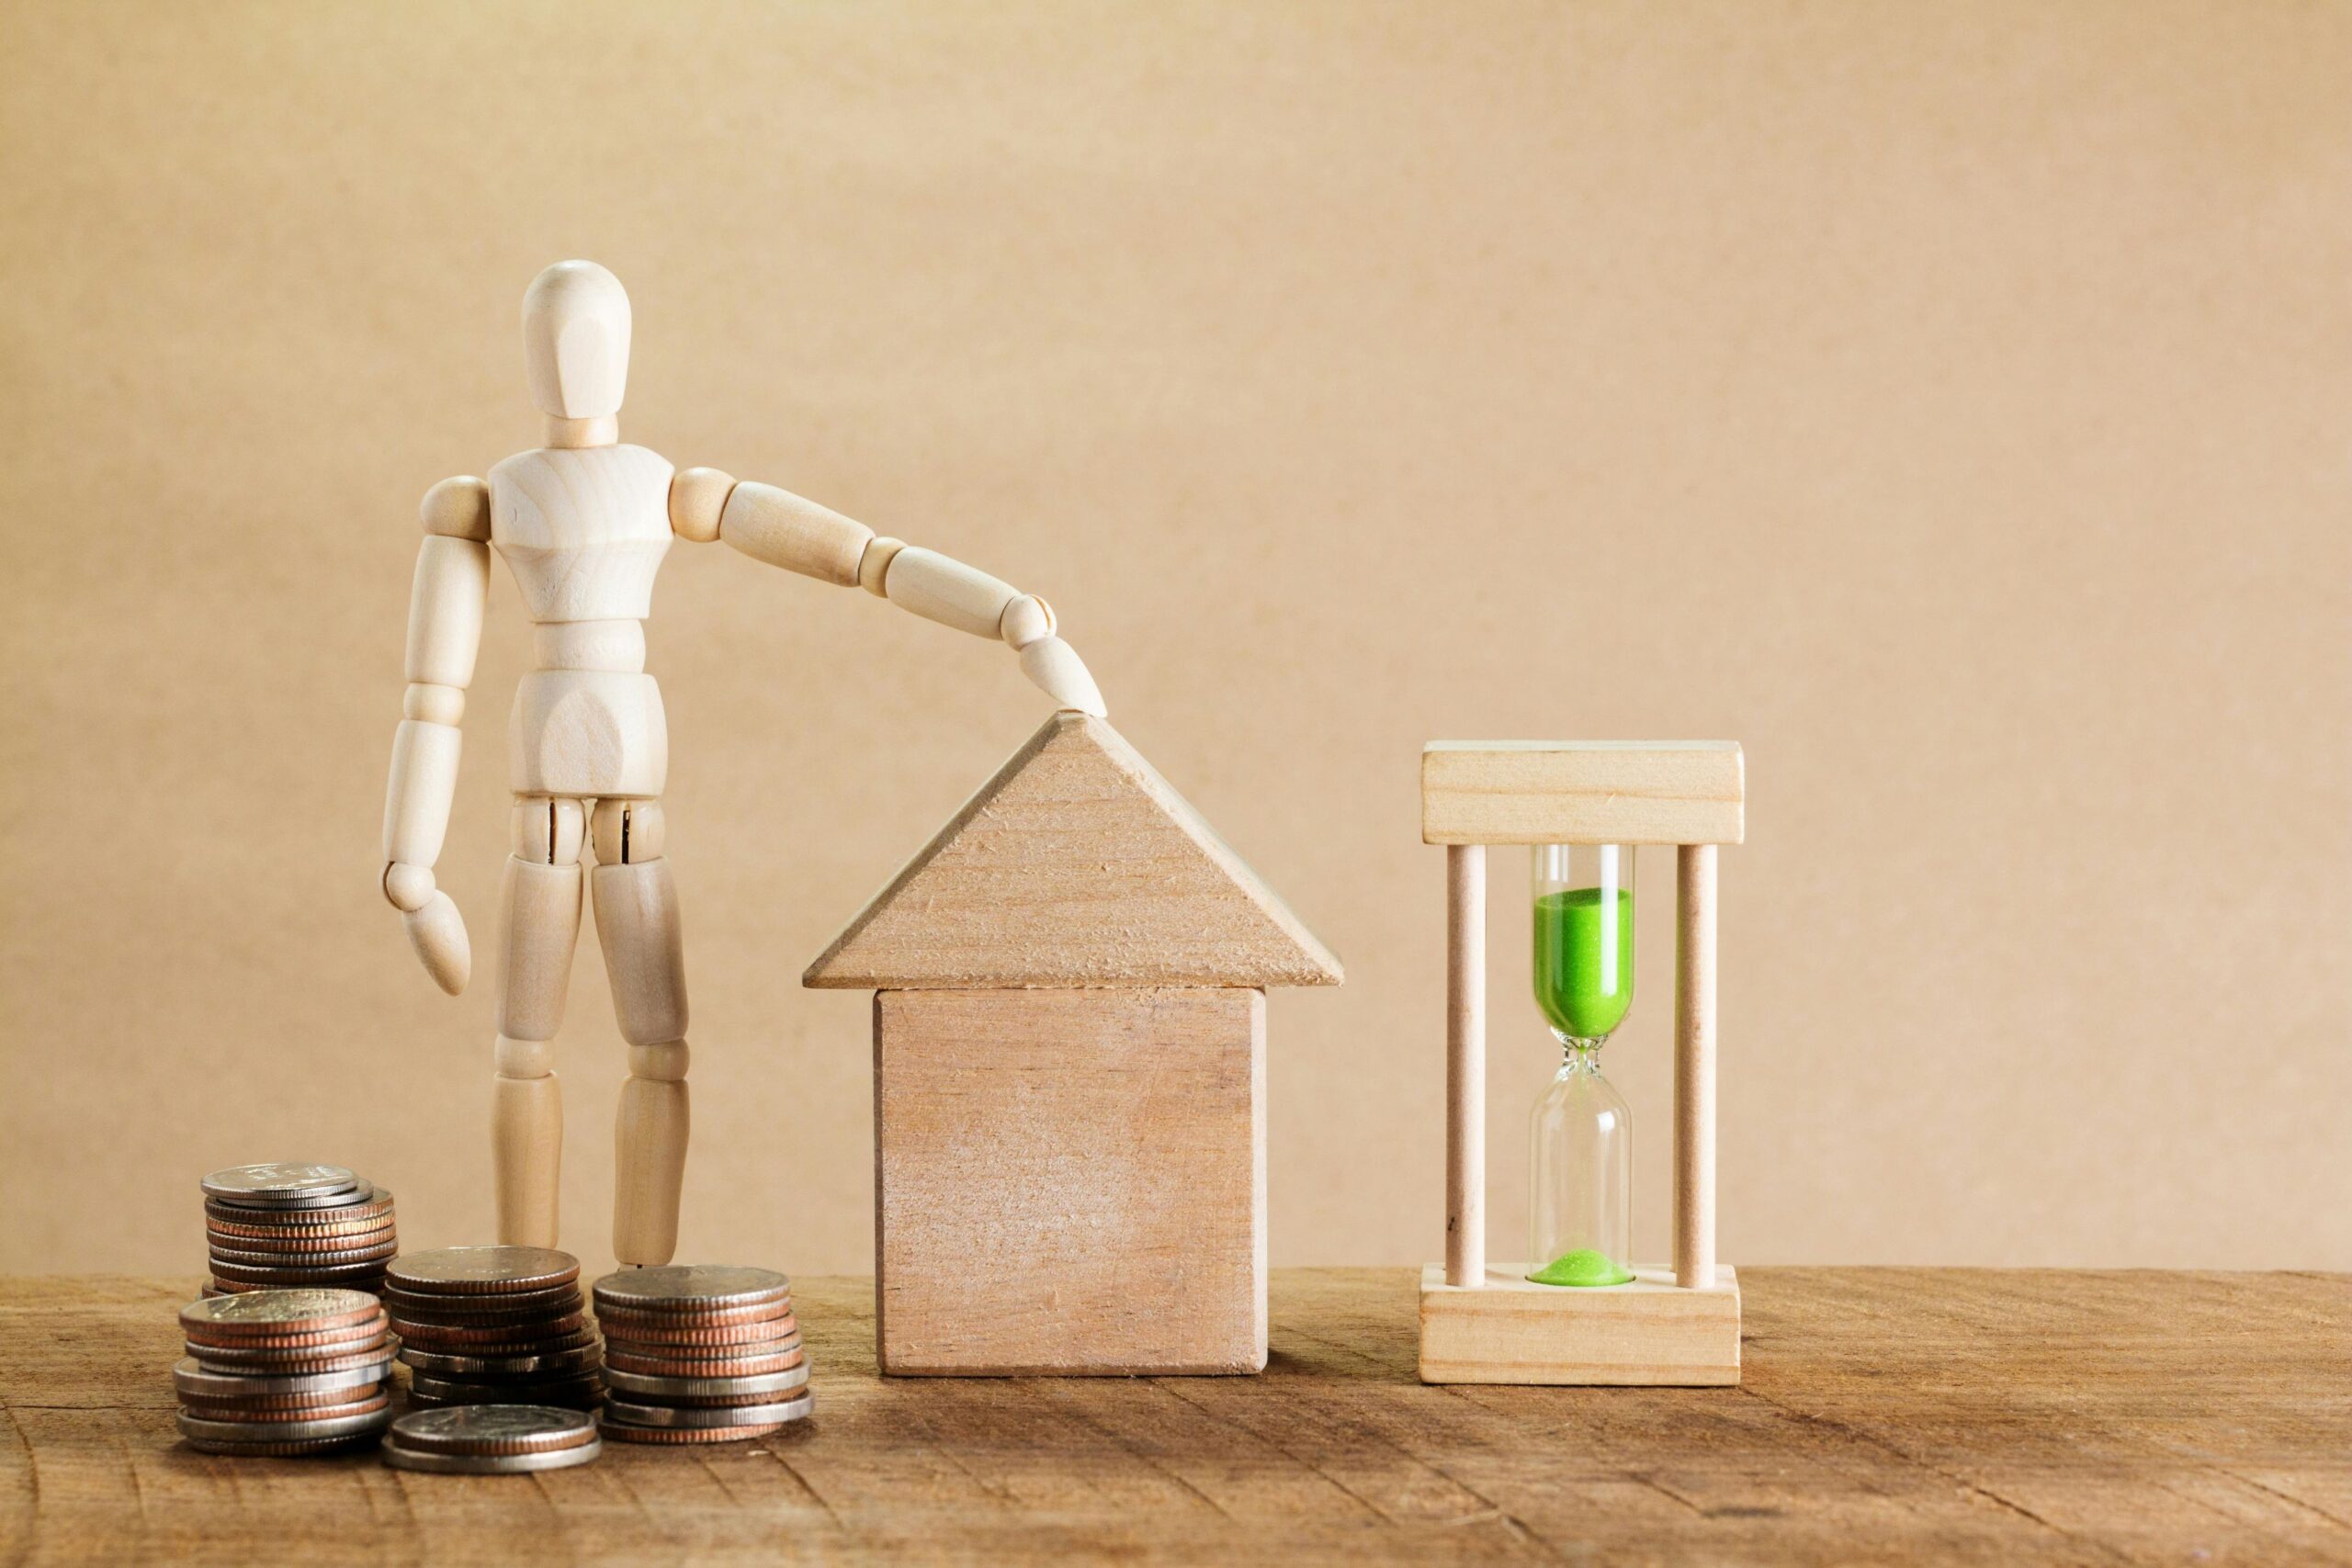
<point>277,1181</point>
<point>266,1312</point>
<point>567,1360</point>
<point>284,1431</point>
<point>685,1286</point>
<point>194,1381</point>
<point>252,1203</point>
<point>477,1270</point>
<point>400,1455</point>
<point>280,1448</point>
<point>691,1389</point>
<point>248,1251</point>
<point>617,1409</point>
<point>366,1202</point>
<point>494,1428</point>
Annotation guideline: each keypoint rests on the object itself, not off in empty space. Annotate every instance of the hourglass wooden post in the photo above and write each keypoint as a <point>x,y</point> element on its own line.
<point>1490,1322</point>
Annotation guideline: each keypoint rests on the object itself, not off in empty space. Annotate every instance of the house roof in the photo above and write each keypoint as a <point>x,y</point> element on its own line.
<point>1075,866</point>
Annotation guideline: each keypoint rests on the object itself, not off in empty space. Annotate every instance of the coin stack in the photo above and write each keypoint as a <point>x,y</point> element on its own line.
<point>699,1353</point>
<point>272,1226</point>
<point>492,1439</point>
<point>493,1326</point>
<point>284,1371</point>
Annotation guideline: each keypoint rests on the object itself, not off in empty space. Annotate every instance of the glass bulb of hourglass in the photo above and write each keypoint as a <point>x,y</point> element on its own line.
<point>1581,1135</point>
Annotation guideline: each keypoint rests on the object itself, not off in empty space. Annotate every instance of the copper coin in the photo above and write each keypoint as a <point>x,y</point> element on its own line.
<point>477,1309</point>
<point>281,1311</point>
<point>302,1339</point>
<point>740,1350</point>
<point>494,1429</point>
<point>458,1335</point>
<point>312,1258</point>
<point>572,1359</point>
<point>637,1333</point>
<point>213,1410</point>
<point>373,1268</point>
<point>317,1403</point>
<point>295,1363</point>
<point>301,1244</point>
<point>375,1209</point>
<point>629,1433</point>
<point>632,1318</point>
<point>691,1287</point>
<point>662,1366</point>
<point>479,1270</point>
<point>493,1349</point>
<point>270,1182</point>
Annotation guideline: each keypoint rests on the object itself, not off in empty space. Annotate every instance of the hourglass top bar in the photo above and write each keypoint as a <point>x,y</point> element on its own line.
<point>1583,792</point>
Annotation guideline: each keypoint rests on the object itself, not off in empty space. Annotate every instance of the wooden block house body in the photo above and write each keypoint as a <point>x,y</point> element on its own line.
<point>1069,1039</point>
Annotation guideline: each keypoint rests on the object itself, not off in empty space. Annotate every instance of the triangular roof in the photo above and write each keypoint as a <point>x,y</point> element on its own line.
<point>1075,866</point>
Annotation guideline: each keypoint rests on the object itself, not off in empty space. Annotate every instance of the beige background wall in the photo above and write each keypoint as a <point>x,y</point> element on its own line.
<point>1949,403</point>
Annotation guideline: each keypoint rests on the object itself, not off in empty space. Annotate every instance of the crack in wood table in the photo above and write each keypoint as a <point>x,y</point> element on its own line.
<point>1884,1415</point>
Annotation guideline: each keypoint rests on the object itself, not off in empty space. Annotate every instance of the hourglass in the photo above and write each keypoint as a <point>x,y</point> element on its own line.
<point>1577,1308</point>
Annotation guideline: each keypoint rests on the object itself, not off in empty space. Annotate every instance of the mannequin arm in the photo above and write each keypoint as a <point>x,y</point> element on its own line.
<point>783,529</point>
<point>444,635</point>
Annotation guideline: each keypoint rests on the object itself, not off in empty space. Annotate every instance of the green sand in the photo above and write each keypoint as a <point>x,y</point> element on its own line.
<point>1581,991</point>
<point>1582,1267</point>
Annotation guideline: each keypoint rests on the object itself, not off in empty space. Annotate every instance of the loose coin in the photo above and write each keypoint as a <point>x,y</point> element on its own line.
<point>193,1381</point>
<point>494,1429</point>
<point>652,1387</point>
<point>689,1286</point>
<point>283,1431</point>
<point>473,1270</point>
<point>632,1411</point>
<point>271,1181</point>
<point>400,1455</point>
<point>280,1311</point>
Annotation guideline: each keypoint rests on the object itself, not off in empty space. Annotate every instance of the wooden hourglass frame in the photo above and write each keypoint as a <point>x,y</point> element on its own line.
<point>1489,1324</point>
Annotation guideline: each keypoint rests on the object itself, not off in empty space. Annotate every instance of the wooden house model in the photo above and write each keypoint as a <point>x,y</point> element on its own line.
<point>1069,1075</point>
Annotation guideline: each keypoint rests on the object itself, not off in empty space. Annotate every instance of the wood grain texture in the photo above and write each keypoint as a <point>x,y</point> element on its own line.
<point>1075,866</point>
<point>1070,1181</point>
<point>1949,1415</point>
<point>1582,792</point>
<point>1649,1333</point>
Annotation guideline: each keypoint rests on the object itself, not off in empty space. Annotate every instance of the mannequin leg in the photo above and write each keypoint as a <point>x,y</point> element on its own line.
<point>637,921</point>
<point>538,920</point>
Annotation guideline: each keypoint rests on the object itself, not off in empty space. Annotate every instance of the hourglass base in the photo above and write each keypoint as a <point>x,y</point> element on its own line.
<point>1649,1331</point>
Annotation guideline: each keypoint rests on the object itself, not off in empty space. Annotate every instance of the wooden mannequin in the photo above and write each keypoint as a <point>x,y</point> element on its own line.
<point>584,524</point>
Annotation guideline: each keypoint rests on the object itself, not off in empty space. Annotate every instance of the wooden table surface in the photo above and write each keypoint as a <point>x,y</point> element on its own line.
<point>1952,1415</point>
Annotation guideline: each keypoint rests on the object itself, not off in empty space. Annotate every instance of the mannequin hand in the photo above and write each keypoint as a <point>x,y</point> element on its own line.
<point>1051,664</point>
<point>435,927</point>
